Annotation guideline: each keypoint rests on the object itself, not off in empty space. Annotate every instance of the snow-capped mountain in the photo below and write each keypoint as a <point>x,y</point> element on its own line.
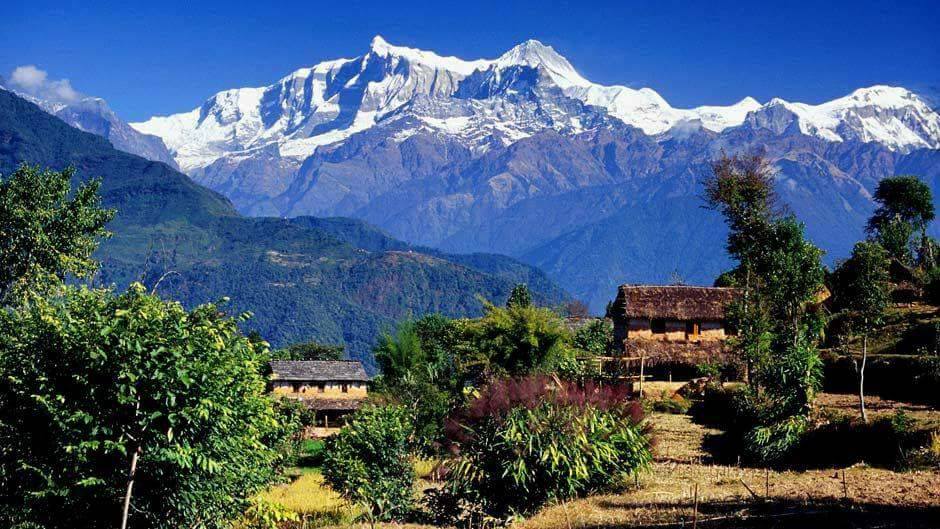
<point>524,156</point>
<point>332,100</point>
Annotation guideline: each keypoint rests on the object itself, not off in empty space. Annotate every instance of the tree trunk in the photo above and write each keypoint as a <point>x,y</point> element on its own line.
<point>861,377</point>
<point>130,485</point>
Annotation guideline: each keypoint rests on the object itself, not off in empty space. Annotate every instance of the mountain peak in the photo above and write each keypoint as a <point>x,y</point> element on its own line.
<point>379,44</point>
<point>534,54</point>
<point>382,48</point>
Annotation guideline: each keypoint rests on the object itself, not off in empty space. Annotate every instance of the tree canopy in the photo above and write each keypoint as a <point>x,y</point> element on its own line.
<point>94,382</point>
<point>45,231</point>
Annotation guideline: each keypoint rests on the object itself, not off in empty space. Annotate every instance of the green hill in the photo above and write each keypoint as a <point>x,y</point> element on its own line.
<point>333,280</point>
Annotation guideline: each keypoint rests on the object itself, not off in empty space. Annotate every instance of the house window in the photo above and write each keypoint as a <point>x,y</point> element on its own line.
<point>296,387</point>
<point>321,387</point>
<point>658,326</point>
<point>692,329</point>
<point>345,388</point>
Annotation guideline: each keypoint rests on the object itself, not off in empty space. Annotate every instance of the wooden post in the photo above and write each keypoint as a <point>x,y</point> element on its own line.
<point>326,420</point>
<point>845,488</point>
<point>642,362</point>
<point>695,508</point>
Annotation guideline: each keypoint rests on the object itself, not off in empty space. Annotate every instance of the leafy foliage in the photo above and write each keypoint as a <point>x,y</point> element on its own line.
<point>44,231</point>
<point>420,372</point>
<point>523,442</point>
<point>781,274</point>
<point>860,284</point>
<point>905,206</point>
<point>91,380</point>
<point>369,462</point>
<point>595,338</point>
<point>518,339</point>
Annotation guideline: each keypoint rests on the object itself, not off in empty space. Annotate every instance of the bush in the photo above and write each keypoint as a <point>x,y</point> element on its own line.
<point>523,442</point>
<point>368,462</point>
<point>667,402</point>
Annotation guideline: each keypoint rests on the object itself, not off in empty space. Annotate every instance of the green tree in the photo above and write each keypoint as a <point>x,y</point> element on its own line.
<point>861,292</point>
<point>44,231</point>
<point>595,338</point>
<point>421,371</point>
<point>780,274</point>
<point>520,296</point>
<point>741,188</point>
<point>790,273</point>
<point>310,351</point>
<point>114,404</point>
<point>904,203</point>
<point>518,339</point>
<point>369,462</point>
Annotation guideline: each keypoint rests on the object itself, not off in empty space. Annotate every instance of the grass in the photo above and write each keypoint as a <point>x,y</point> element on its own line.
<point>313,500</point>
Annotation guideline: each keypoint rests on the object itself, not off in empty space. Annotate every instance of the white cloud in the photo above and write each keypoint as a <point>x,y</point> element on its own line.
<point>35,82</point>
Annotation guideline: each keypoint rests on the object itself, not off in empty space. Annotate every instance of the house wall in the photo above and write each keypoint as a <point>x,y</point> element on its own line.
<point>675,331</point>
<point>311,389</point>
<point>712,330</point>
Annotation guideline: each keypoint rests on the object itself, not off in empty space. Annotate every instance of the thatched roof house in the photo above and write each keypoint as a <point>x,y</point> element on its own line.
<point>672,324</point>
<point>673,302</point>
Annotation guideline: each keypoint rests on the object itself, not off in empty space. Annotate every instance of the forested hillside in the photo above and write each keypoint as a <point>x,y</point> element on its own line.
<point>332,280</point>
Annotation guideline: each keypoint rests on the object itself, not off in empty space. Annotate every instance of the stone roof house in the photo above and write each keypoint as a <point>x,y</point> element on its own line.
<point>332,388</point>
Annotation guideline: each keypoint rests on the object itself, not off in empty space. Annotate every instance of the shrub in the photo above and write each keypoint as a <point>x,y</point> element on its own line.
<point>667,402</point>
<point>368,462</point>
<point>526,441</point>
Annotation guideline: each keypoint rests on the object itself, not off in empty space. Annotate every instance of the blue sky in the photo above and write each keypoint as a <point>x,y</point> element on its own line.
<point>148,59</point>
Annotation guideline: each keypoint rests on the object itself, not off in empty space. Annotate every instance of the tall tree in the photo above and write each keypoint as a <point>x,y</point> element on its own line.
<point>905,205</point>
<point>520,296</point>
<point>861,292</point>
<point>780,273</point>
<point>46,233</point>
<point>740,187</point>
<point>129,408</point>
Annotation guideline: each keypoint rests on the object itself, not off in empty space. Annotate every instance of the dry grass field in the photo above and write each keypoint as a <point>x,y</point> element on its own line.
<point>732,496</point>
<point>727,496</point>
